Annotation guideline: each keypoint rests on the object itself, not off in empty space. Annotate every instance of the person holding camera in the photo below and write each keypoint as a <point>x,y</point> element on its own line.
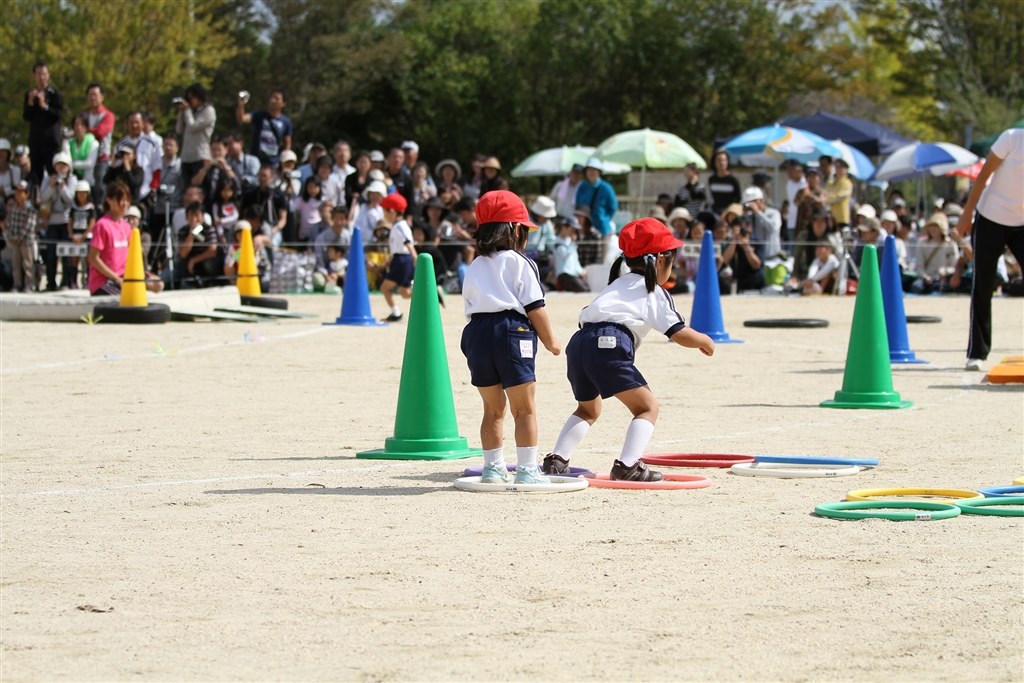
<point>125,170</point>
<point>56,197</point>
<point>742,265</point>
<point>765,233</point>
<point>10,173</point>
<point>271,129</point>
<point>44,108</point>
<point>196,119</point>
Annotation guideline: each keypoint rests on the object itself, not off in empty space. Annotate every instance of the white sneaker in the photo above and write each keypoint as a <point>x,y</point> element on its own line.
<point>496,474</point>
<point>973,364</point>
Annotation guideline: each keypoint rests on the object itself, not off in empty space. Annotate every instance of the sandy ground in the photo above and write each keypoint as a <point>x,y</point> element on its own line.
<point>197,482</point>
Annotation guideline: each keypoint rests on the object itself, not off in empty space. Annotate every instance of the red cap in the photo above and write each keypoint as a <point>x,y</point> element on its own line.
<point>646,236</point>
<point>395,202</point>
<point>502,206</point>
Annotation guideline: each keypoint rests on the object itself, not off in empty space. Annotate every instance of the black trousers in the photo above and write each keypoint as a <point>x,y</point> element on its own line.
<point>990,240</point>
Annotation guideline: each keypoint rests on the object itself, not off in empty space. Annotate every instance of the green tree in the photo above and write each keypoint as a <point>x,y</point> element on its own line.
<point>143,53</point>
<point>961,62</point>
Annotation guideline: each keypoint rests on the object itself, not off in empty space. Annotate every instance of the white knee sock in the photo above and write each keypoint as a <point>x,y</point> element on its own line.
<point>637,436</point>
<point>495,456</point>
<point>572,434</point>
<point>526,456</point>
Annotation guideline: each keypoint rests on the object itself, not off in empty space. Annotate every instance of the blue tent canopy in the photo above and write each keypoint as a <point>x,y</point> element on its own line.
<point>870,138</point>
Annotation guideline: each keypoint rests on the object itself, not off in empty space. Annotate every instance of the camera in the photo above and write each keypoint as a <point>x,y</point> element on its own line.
<point>295,175</point>
<point>243,95</point>
<point>177,100</point>
<point>165,190</point>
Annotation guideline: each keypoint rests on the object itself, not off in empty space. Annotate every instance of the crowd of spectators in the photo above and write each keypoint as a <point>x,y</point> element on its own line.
<point>192,187</point>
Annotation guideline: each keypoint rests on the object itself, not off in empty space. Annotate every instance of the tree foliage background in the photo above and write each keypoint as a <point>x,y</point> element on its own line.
<point>509,77</point>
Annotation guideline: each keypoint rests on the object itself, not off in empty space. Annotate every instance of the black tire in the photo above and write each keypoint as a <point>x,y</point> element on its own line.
<point>789,323</point>
<point>132,315</point>
<point>265,302</point>
<point>923,319</point>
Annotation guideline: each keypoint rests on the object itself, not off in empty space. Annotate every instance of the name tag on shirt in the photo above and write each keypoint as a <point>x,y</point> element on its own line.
<point>526,348</point>
<point>607,342</point>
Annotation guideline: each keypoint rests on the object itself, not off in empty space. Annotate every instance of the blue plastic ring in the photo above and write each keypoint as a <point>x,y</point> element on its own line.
<point>803,460</point>
<point>997,491</point>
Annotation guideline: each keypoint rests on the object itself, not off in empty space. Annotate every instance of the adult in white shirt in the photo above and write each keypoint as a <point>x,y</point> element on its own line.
<point>795,181</point>
<point>564,191</point>
<point>148,155</point>
<point>995,213</point>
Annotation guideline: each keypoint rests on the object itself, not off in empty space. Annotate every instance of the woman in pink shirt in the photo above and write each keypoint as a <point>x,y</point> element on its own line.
<point>108,249</point>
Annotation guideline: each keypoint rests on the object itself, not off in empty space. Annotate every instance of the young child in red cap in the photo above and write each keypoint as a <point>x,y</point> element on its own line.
<point>402,264</point>
<point>505,306</point>
<point>600,355</point>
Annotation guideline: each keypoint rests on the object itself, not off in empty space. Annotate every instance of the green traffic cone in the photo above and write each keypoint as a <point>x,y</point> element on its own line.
<point>867,381</point>
<point>425,426</point>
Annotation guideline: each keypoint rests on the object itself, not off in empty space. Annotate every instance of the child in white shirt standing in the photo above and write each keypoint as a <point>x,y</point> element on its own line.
<point>505,306</point>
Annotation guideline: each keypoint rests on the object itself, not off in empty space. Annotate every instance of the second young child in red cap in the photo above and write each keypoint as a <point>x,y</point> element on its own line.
<point>600,355</point>
<point>402,264</point>
<point>505,306</point>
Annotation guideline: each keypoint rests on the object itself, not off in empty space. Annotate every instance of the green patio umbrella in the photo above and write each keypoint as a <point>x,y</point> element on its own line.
<point>648,148</point>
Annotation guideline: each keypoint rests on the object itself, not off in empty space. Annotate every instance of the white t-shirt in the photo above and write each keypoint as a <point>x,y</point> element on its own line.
<point>503,281</point>
<point>627,302</point>
<point>819,270</point>
<point>400,235</point>
<point>793,187</point>
<point>1002,201</point>
<point>367,219</point>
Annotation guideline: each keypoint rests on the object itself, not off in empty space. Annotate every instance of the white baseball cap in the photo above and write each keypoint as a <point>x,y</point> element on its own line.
<point>378,187</point>
<point>867,211</point>
<point>544,207</point>
<point>889,215</point>
<point>752,194</point>
<point>133,211</point>
<point>5,144</point>
<point>289,155</point>
<point>410,145</point>
<point>62,158</point>
<point>83,186</point>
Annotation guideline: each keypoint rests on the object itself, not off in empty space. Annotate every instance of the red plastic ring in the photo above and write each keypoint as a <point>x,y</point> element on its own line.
<point>695,459</point>
<point>669,482</point>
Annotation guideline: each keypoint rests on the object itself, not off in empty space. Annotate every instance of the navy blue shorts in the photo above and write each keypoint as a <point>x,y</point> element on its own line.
<point>600,360</point>
<point>500,348</point>
<point>401,270</point>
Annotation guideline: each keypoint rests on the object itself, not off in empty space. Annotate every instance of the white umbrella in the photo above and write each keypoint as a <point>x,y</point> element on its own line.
<point>924,159</point>
<point>559,161</point>
<point>860,166</point>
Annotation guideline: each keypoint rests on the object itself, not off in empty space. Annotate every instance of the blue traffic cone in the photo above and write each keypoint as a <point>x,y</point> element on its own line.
<point>706,315</point>
<point>892,300</point>
<point>355,297</point>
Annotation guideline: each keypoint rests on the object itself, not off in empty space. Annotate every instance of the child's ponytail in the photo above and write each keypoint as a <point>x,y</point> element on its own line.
<point>616,267</point>
<point>646,265</point>
<point>650,271</point>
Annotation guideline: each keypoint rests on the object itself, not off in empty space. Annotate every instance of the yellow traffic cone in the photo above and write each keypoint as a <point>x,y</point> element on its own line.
<point>133,289</point>
<point>248,276</point>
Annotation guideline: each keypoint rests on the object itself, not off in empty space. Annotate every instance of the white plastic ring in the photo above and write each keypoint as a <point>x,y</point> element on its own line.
<point>557,485</point>
<point>790,471</point>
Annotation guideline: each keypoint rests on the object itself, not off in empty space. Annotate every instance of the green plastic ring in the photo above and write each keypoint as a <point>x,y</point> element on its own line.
<point>983,506</point>
<point>866,509</point>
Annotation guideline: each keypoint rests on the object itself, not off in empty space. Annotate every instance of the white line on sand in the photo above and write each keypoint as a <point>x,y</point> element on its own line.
<point>216,480</point>
<point>193,349</point>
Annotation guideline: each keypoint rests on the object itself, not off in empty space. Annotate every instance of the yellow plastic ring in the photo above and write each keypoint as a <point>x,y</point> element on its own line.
<point>1019,480</point>
<point>943,495</point>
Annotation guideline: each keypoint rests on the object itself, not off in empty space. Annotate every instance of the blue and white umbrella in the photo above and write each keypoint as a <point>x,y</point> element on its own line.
<point>771,145</point>
<point>924,159</point>
<point>861,167</point>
